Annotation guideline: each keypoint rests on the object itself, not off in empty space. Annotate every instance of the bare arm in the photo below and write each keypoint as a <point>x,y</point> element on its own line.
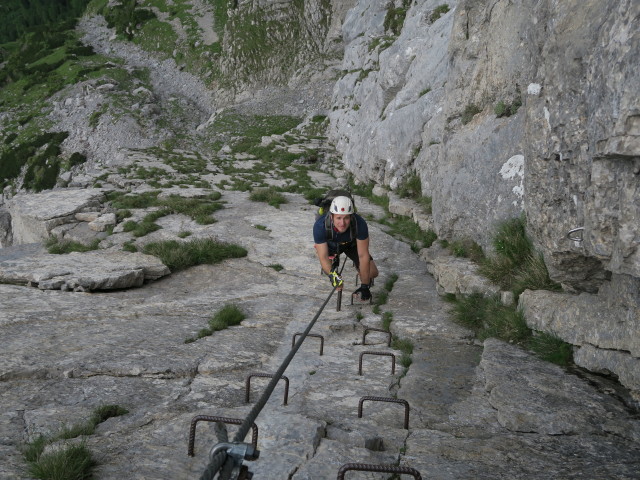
<point>322,250</point>
<point>365,260</point>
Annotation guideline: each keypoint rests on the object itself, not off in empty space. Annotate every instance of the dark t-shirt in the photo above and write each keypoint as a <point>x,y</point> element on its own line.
<point>319,234</point>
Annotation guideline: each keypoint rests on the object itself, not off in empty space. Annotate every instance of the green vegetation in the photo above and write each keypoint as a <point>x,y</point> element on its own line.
<point>412,188</point>
<point>18,17</point>
<point>551,348</point>
<point>55,246</point>
<point>425,91</point>
<point>73,462</point>
<point>469,112</point>
<point>407,230</point>
<point>40,154</point>
<point>515,265</point>
<point>180,255</point>
<point>387,318</point>
<point>228,316</point>
<point>394,19</point>
<point>488,317</point>
<point>503,109</point>
<point>466,248</point>
<point>276,266</point>
<point>199,209</point>
<point>406,347</point>
<point>268,195</point>
<point>126,18</point>
<point>438,12</point>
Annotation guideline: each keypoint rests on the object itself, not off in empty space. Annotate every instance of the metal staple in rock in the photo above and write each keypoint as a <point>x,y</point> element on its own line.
<point>367,467</point>
<point>221,458</point>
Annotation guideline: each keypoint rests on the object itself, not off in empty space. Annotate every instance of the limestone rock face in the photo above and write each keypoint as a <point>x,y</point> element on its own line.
<point>96,270</point>
<point>425,100</point>
<point>504,108</point>
<point>584,141</point>
<point>603,327</point>
<point>34,216</point>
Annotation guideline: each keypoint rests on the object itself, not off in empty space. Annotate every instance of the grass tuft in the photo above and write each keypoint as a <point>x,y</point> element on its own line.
<point>552,349</point>
<point>73,462</point>
<point>57,247</point>
<point>387,318</point>
<point>516,266</point>
<point>228,316</point>
<point>269,196</point>
<point>180,255</point>
<point>488,317</point>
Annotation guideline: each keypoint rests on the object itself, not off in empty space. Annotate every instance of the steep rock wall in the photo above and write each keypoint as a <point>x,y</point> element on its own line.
<point>425,101</point>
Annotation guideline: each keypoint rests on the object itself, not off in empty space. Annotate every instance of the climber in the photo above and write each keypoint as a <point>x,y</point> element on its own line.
<point>341,230</point>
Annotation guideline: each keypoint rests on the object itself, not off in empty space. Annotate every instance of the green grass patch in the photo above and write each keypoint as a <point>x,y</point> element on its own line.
<point>59,247</point>
<point>515,265</point>
<point>551,348</point>
<point>388,285</point>
<point>228,316</point>
<point>438,12</point>
<point>180,255</point>
<point>276,266</point>
<point>488,317</point>
<point>469,112</point>
<point>268,195</point>
<point>387,318</point>
<point>407,230</point>
<point>73,462</point>
<point>465,248</point>
<point>406,347</point>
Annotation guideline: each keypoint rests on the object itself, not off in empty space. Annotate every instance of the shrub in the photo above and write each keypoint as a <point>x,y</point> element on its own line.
<point>180,255</point>
<point>503,109</point>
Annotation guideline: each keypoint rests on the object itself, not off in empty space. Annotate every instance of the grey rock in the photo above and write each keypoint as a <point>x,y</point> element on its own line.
<point>604,326</point>
<point>93,270</point>
<point>546,399</point>
<point>6,235</point>
<point>456,275</point>
<point>34,216</point>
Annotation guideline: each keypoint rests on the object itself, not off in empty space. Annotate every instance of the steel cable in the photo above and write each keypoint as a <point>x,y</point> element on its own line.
<point>218,460</point>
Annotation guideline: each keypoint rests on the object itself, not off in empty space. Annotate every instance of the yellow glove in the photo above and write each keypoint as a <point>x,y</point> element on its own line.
<point>335,279</point>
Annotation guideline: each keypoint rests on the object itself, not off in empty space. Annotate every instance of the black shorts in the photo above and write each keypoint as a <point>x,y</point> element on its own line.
<point>351,251</point>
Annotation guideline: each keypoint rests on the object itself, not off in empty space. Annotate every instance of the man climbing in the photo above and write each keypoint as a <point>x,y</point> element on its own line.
<point>344,231</point>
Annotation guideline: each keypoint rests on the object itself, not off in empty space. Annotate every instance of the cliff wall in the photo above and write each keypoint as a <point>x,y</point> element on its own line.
<point>510,107</point>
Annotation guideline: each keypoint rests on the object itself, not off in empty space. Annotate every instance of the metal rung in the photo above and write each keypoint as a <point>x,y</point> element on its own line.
<point>265,375</point>
<point>209,418</point>
<point>384,354</point>
<point>389,400</point>
<point>366,467</point>
<point>293,340</point>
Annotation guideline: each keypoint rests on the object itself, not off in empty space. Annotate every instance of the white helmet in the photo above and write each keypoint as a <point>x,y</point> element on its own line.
<point>341,206</point>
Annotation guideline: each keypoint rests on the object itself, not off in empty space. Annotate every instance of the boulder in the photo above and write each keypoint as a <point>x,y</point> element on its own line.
<point>95,270</point>
<point>33,216</point>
